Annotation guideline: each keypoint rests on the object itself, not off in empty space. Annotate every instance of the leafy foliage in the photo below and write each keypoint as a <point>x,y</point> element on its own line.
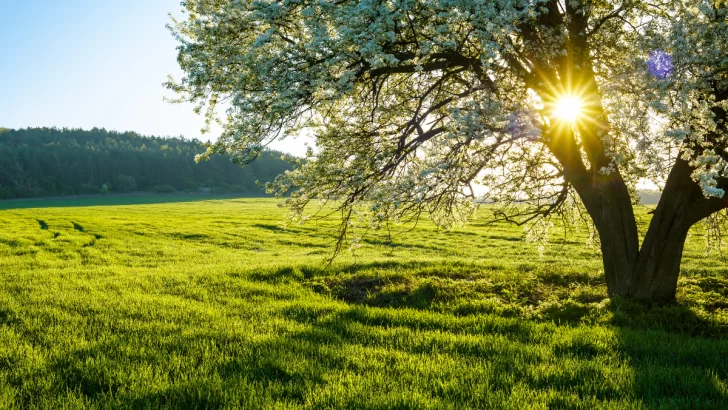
<point>50,162</point>
<point>414,102</point>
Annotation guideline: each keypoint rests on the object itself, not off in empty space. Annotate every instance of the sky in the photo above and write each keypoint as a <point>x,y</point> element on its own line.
<point>95,63</point>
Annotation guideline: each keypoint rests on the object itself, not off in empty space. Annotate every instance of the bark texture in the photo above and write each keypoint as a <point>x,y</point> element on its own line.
<point>649,272</point>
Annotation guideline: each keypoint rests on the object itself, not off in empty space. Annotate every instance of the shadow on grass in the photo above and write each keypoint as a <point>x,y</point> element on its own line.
<point>678,353</point>
<point>685,372</point>
<point>299,272</point>
<point>190,237</point>
<point>672,356</point>
<point>394,245</point>
<point>679,359</point>
<point>453,293</point>
<point>669,370</point>
<point>421,285</point>
<point>213,370</point>
<point>285,274</point>
<point>270,227</point>
<point>247,376</point>
<point>297,231</point>
<point>395,291</point>
<point>305,245</point>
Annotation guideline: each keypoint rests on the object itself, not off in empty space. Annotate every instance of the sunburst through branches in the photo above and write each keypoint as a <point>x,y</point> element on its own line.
<point>568,108</point>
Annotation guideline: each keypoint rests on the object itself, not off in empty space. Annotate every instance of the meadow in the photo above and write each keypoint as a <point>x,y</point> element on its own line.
<point>214,304</point>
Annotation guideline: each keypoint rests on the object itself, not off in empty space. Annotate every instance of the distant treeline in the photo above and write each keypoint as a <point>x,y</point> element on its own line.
<point>52,162</point>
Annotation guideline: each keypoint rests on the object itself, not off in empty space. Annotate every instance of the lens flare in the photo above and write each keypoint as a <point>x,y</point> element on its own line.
<point>568,108</point>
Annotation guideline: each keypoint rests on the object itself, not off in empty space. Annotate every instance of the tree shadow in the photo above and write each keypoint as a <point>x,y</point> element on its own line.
<point>669,369</point>
<point>335,272</point>
<point>394,245</point>
<point>285,274</point>
<point>303,244</point>
<point>395,291</point>
<point>508,366</point>
<point>388,265</point>
<point>190,237</point>
<point>679,358</point>
<point>673,356</point>
<point>271,227</point>
<point>244,374</point>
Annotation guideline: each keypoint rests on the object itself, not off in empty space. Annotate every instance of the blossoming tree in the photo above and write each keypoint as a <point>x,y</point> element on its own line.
<point>537,105</point>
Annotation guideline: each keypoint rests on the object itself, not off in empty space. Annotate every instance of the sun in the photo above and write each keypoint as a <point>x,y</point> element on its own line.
<point>568,108</point>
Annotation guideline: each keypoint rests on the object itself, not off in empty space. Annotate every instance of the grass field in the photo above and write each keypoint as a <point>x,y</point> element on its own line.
<point>105,200</point>
<point>211,304</point>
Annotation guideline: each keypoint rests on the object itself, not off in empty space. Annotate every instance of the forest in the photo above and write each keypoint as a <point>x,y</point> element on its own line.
<point>38,162</point>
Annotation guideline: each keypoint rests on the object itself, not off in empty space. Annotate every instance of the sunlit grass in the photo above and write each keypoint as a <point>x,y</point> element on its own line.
<point>212,304</point>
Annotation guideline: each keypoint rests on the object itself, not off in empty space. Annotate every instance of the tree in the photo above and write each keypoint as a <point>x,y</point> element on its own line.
<point>550,105</point>
<point>124,183</point>
<point>49,161</point>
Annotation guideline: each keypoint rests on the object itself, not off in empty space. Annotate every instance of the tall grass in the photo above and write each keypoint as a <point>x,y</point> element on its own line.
<point>212,304</point>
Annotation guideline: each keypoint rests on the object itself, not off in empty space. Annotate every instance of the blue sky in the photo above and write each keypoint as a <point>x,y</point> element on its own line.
<point>94,63</point>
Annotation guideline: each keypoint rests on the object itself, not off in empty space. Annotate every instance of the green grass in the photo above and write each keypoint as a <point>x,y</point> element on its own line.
<point>211,304</point>
<point>106,200</point>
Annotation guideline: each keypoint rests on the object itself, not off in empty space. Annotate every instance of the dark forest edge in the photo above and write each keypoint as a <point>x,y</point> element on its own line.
<point>134,198</point>
<point>52,162</point>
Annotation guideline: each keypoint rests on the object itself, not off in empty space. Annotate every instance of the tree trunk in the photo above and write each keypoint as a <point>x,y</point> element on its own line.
<point>681,205</point>
<point>614,219</point>
<point>658,266</point>
<point>650,272</point>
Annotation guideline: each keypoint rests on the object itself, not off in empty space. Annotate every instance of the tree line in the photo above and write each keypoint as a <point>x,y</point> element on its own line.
<point>51,162</point>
